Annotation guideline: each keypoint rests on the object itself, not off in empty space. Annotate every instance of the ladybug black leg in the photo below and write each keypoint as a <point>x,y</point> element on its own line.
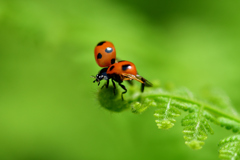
<point>142,87</point>
<point>114,86</point>
<point>123,87</point>
<point>106,84</point>
<point>145,83</point>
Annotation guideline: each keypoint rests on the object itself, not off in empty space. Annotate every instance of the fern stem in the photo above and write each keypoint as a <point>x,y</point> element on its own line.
<point>168,107</point>
<point>207,107</point>
<point>198,122</point>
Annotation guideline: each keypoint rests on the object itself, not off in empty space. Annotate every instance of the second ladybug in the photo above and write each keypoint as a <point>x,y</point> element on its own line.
<point>105,54</point>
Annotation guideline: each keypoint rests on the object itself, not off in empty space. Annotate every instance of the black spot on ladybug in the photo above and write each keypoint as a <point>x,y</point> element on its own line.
<point>113,61</point>
<point>111,68</point>
<point>125,67</point>
<point>99,56</point>
<point>101,43</point>
<point>108,50</point>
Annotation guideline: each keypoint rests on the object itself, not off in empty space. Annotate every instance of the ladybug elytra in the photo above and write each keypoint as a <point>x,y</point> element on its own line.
<point>105,54</point>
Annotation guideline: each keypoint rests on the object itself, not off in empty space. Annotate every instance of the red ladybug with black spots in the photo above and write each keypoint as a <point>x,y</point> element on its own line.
<point>119,72</point>
<point>105,54</point>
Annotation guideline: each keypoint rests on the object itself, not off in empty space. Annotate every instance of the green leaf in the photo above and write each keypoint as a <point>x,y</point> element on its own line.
<point>166,114</point>
<point>229,124</point>
<point>230,148</point>
<point>142,104</point>
<point>196,127</point>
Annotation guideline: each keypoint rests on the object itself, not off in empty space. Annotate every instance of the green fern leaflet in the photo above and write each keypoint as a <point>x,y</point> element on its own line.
<point>230,148</point>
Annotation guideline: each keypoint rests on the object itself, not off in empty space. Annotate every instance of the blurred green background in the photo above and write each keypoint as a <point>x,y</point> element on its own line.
<point>48,106</point>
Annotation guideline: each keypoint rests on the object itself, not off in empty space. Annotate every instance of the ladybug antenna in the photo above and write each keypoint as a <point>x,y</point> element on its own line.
<point>95,78</point>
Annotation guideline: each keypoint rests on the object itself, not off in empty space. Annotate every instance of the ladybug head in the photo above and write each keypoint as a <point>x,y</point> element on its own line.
<point>101,75</point>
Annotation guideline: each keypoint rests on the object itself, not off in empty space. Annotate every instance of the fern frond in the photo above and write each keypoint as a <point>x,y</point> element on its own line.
<point>196,127</point>
<point>169,103</point>
<point>185,106</point>
<point>141,105</point>
<point>230,148</point>
<point>166,113</point>
<point>229,124</point>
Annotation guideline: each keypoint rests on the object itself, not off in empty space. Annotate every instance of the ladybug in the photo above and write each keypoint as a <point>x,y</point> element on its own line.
<point>105,54</point>
<point>119,72</point>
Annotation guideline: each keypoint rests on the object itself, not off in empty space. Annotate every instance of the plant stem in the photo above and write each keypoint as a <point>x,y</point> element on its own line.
<point>205,106</point>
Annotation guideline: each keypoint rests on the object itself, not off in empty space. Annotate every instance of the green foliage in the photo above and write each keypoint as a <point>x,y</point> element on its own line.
<point>195,129</point>
<point>168,104</point>
<point>141,105</point>
<point>230,148</point>
<point>166,113</point>
<point>229,124</point>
